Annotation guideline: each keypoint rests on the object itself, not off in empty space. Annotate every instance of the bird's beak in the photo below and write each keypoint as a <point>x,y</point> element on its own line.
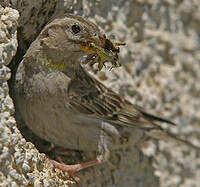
<point>102,50</point>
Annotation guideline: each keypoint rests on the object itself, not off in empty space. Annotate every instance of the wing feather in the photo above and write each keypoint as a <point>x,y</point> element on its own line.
<point>90,97</point>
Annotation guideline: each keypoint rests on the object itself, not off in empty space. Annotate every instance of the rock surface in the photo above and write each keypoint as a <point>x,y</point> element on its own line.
<point>160,72</point>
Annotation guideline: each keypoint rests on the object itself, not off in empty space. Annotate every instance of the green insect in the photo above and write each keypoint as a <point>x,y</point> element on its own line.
<point>109,53</point>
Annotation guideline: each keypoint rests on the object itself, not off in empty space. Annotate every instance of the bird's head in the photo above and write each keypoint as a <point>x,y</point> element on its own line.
<point>73,39</point>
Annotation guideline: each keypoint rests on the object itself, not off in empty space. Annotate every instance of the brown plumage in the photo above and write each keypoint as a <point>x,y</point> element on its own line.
<point>64,104</point>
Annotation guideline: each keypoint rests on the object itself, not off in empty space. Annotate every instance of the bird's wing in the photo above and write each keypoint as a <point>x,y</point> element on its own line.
<point>90,97</point>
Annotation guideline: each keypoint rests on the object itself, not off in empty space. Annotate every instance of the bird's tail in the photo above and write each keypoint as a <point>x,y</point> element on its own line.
<point>166,135</point>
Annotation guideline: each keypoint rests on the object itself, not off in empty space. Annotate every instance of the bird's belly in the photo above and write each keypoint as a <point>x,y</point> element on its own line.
<point>69,130</point>
<point>50,119</point>
<point>45,109</point>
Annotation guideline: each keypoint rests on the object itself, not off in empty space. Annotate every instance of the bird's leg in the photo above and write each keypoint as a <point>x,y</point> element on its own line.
<point>72,169</point>
<point>103,156</point>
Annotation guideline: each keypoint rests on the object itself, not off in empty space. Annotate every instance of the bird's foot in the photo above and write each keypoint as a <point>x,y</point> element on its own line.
<point>72,169</point>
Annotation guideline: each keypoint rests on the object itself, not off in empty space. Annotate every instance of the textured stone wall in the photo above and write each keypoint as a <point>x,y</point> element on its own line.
<point>161,72</point>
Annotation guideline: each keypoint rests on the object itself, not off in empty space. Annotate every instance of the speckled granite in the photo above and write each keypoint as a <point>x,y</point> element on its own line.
<point>161,72</point>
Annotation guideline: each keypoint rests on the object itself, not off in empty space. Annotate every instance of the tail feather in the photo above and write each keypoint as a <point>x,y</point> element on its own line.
<point>166,135</point>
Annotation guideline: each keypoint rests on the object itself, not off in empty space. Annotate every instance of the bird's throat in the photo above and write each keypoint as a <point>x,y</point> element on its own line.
<point>60,66</point>
<point>70,68</point>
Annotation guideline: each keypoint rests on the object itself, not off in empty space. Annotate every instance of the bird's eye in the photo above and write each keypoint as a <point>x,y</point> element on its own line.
<point>75,29</point>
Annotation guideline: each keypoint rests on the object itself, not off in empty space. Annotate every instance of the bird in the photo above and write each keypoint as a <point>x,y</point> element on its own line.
<point>64,104</point>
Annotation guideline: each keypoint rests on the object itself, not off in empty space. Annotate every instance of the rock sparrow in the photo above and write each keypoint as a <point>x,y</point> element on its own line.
<point>64,104</point>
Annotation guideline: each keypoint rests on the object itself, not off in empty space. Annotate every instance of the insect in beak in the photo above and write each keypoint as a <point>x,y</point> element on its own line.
<point>101,55</point>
